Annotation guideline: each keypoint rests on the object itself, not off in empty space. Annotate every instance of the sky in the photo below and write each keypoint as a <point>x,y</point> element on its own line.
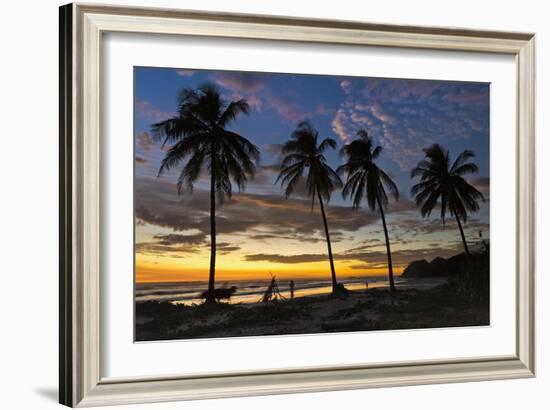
<point>262,233</point>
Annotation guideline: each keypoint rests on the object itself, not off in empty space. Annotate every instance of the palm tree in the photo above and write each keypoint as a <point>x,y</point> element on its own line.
<point>366,180</point>
<point>303,151</point>
<point>443,182</point>
<point>198,135</point>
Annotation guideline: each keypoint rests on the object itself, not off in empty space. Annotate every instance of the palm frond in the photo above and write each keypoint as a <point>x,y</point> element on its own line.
<point>358,191</point>
<point>291,181</point>
<point>351,185</point>
<point>442,183</point>
<point>198,134</point>
<point>302,151</point>
<point>461,159</point>
<point>469,168</point>
<point>190,172</point>
<point>364,178</point>
<point>232,111</point>
<point>291,159</point>
<point>389,184</point>
<point>429,203</point>
<point>177,153</point>
<point>325,144</point>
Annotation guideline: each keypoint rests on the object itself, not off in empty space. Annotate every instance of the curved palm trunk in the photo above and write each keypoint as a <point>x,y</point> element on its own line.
<point>211,298</point>
<point>327,235</point>
<point>469,268</point>
<point>388,250</point>
<point>463,237</point>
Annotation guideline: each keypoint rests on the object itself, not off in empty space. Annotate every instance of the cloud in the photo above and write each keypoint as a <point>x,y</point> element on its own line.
<point>225,248</point>
<point>157,249</point>
<point>289,259</point>
<point>271,167</point>
<point>288,110</point>
<point>407,115</point>
<point>185,73</point>
<point>272,217</point>
<point>141,160</point>
<point>379,258</point>
<point>462,96</point>
<point>346,86</point>
<point>147,110</point>
<point>417,227</point>
<point>336,236</point>
<point>176,239</point>
<point>361,119</point>
<point>273,149</point>
<point>249,214</point>
<point>339,125</point>
<point>366,266</point>
<point>255,103</point>
<point>253,214</point>
<point>254,88</point>
<point>322,109</point>
<point>144,141</point>
<point>170,245</point>
<point>377,110</point>
<point>242,82</point>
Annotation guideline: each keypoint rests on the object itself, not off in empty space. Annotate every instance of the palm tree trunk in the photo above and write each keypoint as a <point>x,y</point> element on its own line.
<point>211,298</point>
<point>388,250</point>
<point>327,235</point>
<point>463,237</point>
<point>469,266</point>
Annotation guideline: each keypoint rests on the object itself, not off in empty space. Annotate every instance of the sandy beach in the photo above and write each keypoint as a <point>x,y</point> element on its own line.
<point>366,310</point>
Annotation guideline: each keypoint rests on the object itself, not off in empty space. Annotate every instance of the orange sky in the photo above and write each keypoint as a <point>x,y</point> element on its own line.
<point>149,271</point>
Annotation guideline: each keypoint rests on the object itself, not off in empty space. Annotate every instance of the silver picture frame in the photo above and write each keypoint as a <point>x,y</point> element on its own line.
<point>81,30</point>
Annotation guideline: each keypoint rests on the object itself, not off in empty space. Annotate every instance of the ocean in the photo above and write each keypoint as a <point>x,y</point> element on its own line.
<point>188,293</point>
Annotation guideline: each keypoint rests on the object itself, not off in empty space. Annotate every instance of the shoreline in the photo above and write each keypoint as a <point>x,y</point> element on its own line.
<point>251,292</point>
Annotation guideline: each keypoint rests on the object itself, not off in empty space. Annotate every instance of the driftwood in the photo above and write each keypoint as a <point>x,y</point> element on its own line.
<point>272,292</point>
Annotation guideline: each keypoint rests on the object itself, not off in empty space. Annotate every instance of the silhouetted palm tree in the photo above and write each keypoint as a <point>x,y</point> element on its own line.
<point>443,182</point>
<point>303,151</point>
<point>366,180</point>
<point>198,135</point>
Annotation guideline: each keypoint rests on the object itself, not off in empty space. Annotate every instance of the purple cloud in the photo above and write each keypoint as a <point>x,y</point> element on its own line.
<point>148,111</point>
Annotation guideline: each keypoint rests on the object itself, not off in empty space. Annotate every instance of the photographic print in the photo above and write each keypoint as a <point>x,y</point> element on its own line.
<point>278,204</point>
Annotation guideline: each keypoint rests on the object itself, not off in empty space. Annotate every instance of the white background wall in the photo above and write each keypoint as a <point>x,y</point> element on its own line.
<point>28,201</point>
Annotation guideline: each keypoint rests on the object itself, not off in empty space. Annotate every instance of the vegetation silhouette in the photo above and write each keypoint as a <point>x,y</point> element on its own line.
<point>442,182</point>
<point>366,180</point>
<point>304,151</point>
<point>199,137</point>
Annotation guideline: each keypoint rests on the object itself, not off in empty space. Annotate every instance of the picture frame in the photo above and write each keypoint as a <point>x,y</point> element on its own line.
<point>81,31</point>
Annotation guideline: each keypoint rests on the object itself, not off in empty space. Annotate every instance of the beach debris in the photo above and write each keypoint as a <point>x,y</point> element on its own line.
<point>221,293</point>
<point>272,293</point>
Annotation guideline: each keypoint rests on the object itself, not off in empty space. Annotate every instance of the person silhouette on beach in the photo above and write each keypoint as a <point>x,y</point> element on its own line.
<point>291,289</point>
<point>367,284</point>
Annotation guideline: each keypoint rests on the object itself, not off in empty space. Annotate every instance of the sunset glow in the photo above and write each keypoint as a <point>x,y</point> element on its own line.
<point>259,232</point>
